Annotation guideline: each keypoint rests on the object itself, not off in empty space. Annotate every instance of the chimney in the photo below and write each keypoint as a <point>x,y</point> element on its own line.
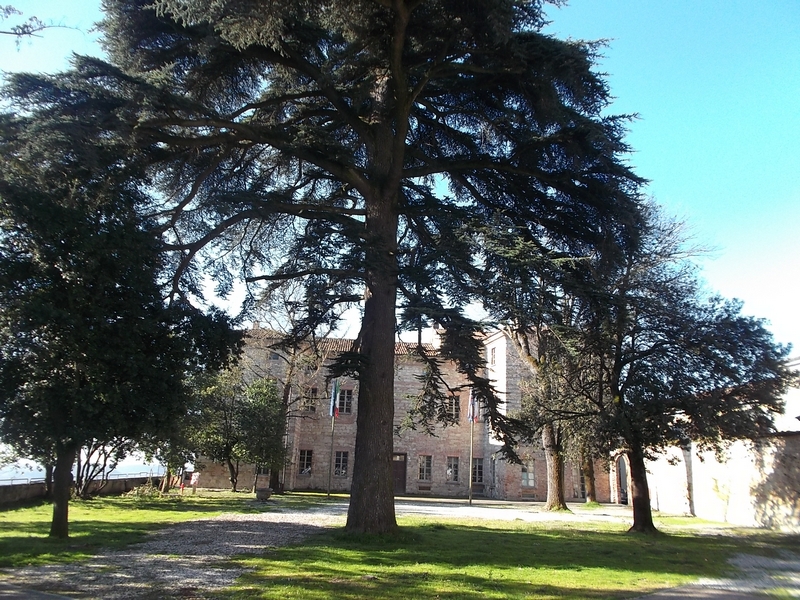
<point>438,332</point>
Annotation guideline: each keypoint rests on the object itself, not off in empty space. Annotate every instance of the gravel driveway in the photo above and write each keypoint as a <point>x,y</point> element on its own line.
<point>179,561</point>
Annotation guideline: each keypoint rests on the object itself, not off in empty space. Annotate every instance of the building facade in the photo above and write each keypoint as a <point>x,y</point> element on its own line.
<point>321,448</point>
<point>756,485</point>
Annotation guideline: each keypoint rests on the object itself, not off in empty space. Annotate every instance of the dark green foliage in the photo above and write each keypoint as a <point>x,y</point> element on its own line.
<point>650,361</point>
<point>88,348</point>
<point>359,147</point>
<point>263,424</point>
<point>232,422</point>
<point>679,365</point>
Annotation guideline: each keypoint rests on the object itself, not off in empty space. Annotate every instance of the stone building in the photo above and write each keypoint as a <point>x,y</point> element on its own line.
<point>321,449</point>
<point>756,485</point>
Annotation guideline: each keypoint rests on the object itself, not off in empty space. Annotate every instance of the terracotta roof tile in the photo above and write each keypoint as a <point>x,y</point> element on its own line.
<point>337,345</point>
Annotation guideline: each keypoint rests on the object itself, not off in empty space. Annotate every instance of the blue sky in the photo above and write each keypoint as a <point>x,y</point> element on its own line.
<point>716,87</point>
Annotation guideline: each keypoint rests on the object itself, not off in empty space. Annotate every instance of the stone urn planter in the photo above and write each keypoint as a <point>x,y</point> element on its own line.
<point>263,494</point>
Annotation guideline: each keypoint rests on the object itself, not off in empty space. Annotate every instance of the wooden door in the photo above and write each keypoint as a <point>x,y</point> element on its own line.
<point>399,473</point>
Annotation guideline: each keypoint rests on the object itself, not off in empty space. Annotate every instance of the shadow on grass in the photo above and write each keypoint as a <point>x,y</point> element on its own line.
<point>29,545</point>
<point>105,522</point>
<point>463,561</point>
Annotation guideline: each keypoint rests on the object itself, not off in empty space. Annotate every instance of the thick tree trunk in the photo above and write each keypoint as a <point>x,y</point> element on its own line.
<point>372,493</point>
<point>555,470</point>
<point>62,487</point>
<point>587,468</point>
<point>640,494</point>
<point>48,480</point>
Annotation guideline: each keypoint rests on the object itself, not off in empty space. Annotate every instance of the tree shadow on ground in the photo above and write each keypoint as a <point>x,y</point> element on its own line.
<point>451,560</point>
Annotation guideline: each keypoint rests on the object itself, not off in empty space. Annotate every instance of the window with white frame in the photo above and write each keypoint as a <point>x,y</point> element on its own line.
<point>452,468</point>
<point>454,408</point>
<point>340,464</point>
<point>304,466</point>
<point>477,470</point>
<point>345,402</point>
<point>425,467</point>
<point>309,401</point>
<point>528,477</point>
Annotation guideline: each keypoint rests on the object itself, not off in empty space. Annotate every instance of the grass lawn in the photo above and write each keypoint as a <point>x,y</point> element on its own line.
<point>103,522</point>
<point>486,559</point>
<point>431,557</point>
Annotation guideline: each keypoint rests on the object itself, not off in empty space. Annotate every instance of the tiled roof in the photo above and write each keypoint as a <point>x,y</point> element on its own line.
<point>338,345</point>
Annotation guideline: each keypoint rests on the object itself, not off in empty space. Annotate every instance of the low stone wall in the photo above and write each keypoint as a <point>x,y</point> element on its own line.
<point>216,476</point>
<point>10,494</point>
<point>20,492</point>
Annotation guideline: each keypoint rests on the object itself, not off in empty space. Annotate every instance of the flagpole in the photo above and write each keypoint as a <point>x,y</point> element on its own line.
<point>330,462</point>
<point>469,470</point>
<point>334,410</point>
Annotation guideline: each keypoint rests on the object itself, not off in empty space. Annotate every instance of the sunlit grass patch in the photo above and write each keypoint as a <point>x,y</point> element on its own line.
<point>436,558</point>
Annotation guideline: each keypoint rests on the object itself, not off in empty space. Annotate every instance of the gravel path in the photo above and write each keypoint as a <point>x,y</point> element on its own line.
<point>180,561</point>
<point>188,559</point>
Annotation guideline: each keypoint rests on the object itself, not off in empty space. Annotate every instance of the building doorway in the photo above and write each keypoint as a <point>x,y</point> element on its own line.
<point>399,473</point>
<point>622,480</point>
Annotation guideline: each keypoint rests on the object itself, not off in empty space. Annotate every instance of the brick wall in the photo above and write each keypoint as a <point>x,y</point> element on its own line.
<point>310,436</point>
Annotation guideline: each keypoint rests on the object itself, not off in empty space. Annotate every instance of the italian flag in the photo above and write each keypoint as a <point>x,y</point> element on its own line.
<point>335,399</point>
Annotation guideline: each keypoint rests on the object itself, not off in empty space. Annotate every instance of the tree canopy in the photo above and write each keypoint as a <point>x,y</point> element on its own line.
<point>679,365</point>
<point>233,422</point>
<point>89,351</point>
<point>359,147</point>
<point>356,146</point>
<point>649,359</point>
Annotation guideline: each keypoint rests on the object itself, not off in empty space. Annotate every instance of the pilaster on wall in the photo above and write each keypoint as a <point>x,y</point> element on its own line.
<point>755,485</point>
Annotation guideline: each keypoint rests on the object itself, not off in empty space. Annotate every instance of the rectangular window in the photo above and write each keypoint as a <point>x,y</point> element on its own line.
<point>452,468</point>
<point>454,408</point>
<point>345,402</point>
<point>425,467</point>
<point>579,483</point>
<point>477,470</point>
<point>492,356</point>
<point>340,464</point>
<point>528,477</point>
<point>305,462</point>
<point>309,402</point>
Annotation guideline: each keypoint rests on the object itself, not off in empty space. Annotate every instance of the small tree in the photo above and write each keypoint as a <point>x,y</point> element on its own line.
<point>215,419</point>
<point>537,293</point>
<point>234,423</point>
<point>95,461</point>
<point>263,426</point>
